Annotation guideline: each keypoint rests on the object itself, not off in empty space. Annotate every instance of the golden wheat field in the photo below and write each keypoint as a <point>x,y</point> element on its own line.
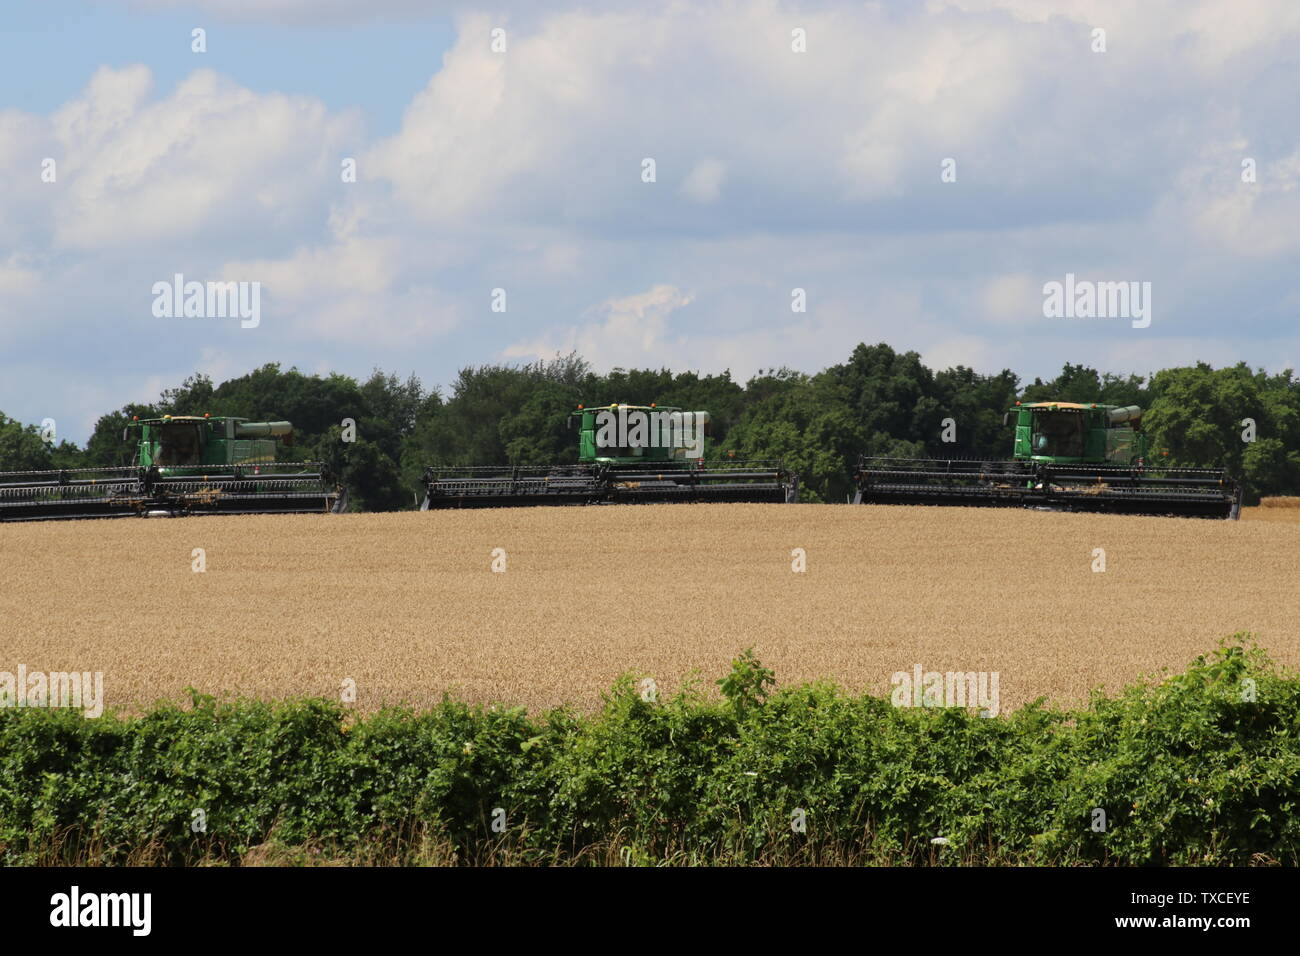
<point>1274,509</point>
<point>407,606</point>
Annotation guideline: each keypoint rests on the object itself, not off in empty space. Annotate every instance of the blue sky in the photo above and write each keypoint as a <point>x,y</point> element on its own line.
<point>49,49</point>
<point>520,169</point>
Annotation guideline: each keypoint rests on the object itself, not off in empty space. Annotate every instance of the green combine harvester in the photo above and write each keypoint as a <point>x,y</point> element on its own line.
<point>1067,457</point>
<point>184,465</point>
<point>626,454</point>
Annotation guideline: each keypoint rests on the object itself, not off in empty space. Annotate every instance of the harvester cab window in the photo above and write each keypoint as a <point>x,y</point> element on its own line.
<point>1058,435</point>
<point>178,445</point>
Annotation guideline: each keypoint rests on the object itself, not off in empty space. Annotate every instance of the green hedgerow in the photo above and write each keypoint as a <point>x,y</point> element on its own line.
<point>1198,768</point>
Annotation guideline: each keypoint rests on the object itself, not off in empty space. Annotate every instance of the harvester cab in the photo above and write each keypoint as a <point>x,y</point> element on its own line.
<point>183,465</point>
<point>639,434</point>
<point>626,454</point>
<point>1070,433</point>
<point>1066,456</point>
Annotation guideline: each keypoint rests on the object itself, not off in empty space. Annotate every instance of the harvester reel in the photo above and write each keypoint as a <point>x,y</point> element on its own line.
<point>271,488</point>
<point>1186,492</point>
<point>602,483</point>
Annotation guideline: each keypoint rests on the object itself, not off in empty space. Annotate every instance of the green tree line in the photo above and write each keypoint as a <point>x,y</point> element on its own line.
<point>878,402</point>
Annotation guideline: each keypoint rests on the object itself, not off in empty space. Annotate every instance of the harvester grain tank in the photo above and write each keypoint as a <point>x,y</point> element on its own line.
<point>184,465</point>
<point>1066,456</point>
<point>626,454</point>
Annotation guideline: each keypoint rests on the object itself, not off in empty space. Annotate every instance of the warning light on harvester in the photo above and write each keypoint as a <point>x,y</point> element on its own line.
<point>579,406</point>
<point>207,414</point>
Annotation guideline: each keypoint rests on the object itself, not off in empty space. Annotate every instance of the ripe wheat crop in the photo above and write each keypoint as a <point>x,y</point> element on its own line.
<point>1274,509</point>
<point>406,607</point>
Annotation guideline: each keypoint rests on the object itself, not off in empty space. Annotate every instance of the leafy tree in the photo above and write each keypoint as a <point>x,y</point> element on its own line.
<point>22,448</point>
<point>373,480</point>
<point>1199,419</point>
<point>976,404</point>
<point>489,410</point>
<point>195,396</point>
<point>1076,383</point>
<point>391,410</point>
<point>539,433</point>
<point>810,427</point>
<point>892,394</point>
<point>106,448</point>
<point>1125,390</point>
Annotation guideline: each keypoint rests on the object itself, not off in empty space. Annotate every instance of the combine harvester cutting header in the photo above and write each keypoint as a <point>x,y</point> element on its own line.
<point>626,454</point>
<point>1067,457</point>
<point>183,466</point>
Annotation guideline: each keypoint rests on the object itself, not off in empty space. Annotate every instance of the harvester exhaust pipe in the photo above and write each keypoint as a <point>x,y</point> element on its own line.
<point>1128,413</point>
